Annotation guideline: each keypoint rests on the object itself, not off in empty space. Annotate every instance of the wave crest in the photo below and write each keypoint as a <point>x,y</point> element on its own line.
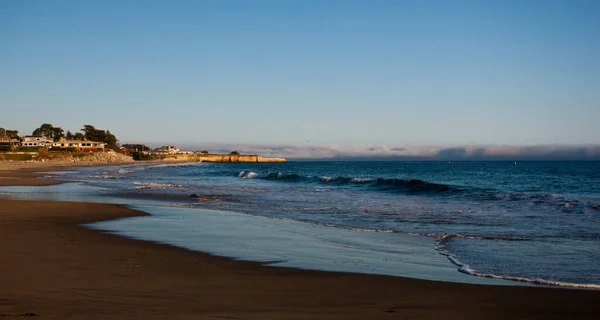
<point>383,184</point>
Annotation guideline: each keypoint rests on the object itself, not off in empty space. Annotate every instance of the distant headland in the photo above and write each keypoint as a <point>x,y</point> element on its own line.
<point>221,158</point>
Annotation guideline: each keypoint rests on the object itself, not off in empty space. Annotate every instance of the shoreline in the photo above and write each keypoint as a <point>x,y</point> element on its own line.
<point>56,268</point>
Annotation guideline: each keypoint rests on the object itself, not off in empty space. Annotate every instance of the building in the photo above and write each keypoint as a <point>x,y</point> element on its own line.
<point>134,148</point>
<point>7,143</point>
<point>78,145</point>
<point>167,150</point>
<point>36,141</point>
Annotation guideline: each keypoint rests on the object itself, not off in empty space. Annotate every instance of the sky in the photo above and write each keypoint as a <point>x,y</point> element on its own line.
<point>352,75</point>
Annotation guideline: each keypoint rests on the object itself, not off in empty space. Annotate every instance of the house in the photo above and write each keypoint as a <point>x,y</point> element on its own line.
<point>7,143</point>
<point>167,150</point>
<point>134,148</point>
<point>78,145</point>
<point>36,141</point>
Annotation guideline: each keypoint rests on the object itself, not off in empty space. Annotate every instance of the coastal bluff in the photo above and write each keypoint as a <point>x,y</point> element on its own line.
<point>236,158</point>
<point>224,158</point>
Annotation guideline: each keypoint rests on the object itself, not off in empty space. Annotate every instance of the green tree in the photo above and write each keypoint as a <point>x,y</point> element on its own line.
<point>50,131</point>
<point>93,134</point>
<point>136,147</point>
<point>78,136</point>
<point>235,153</point>
<point>14,134</point>
<point>57,134</point>
<point>45,130</point>
<point>110,140</point>
<point>69,135</point>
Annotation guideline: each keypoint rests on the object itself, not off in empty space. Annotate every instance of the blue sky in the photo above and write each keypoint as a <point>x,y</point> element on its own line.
<point>341,73</point>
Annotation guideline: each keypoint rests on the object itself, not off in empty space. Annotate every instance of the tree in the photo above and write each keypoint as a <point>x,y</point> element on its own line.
<point>45,130</point>
<point>78,136</point>
<point>93,134</point>
<point>57,134</point>
<point>50,131</point>
<point>69,135</point>
<point>13,134</point>
<point>136,147</point>
<point>204,151</point>
<point>235,153</point>
<point>110,140</point>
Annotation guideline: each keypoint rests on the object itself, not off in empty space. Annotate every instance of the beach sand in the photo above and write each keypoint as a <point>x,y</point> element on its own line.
<point>54,268</point>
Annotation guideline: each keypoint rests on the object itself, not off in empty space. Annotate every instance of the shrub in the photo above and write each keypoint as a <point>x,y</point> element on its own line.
<point>43,153</point>
<point>16,157</point>
<point>141,156</point>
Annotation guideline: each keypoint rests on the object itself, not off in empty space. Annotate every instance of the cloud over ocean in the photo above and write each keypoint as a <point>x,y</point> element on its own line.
<point>383,152</point>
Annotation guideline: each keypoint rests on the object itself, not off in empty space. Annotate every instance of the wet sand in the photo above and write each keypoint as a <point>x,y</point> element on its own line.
<point>54,268</point>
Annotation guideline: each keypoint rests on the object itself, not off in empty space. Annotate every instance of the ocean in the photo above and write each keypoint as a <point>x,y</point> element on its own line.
<point>525,222</point>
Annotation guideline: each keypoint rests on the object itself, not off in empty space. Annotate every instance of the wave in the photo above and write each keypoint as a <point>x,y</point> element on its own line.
<point>145,166</point>
<point>177,164</point>
<point>382,184</point>
<point>416,186</point>
<point>154,185</point>
<point>443,238</point>
<point>466,269</point>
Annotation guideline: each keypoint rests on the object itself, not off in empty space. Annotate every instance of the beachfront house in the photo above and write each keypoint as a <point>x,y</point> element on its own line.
<point>167,150</point>
<point>7,143</point>
<point>78,145</point>
<point>36,141</point>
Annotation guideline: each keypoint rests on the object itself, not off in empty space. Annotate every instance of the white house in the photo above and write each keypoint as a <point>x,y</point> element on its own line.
<point>35,141</point>
<point>85,146</point>
<point>167,150</point>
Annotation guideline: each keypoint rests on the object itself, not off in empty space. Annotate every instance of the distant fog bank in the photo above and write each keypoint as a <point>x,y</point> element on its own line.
<point>309,151</point>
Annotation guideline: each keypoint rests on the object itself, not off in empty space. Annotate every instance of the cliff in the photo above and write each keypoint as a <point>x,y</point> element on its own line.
<point>235,158</point>
<point>221,158</point>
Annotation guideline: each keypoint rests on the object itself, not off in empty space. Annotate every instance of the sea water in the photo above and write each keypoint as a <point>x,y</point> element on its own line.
<point>529,222</point>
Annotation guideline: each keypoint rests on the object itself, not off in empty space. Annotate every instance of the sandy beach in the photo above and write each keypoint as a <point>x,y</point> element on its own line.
<point>53,268</point>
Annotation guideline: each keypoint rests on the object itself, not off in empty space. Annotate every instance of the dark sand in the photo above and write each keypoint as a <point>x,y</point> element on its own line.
<point>54,268</point>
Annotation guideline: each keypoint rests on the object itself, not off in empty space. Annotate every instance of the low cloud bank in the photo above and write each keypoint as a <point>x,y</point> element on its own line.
<point>425,153</point>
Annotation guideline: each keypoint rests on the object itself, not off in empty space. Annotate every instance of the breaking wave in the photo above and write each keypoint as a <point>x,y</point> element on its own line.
<point>383,184</point>
<point>154,185</point>
<point>416,186</point>
<point>444,238</point>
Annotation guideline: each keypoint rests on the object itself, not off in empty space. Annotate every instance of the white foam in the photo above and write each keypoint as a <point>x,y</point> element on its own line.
<point>251,175</point>
<point>248,175</point>
<point>466,269</point>
<point>153,185</point>
<point>183,164</point>
<point>470,271</point>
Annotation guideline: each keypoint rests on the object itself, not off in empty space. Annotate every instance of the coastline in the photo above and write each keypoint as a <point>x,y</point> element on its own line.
<point>55,268</point>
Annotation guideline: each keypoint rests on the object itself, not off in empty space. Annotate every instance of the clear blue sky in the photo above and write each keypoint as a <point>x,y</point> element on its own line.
<point>334,72</point>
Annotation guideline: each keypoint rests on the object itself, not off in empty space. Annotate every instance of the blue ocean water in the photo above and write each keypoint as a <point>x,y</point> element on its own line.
<point>536,222</point>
